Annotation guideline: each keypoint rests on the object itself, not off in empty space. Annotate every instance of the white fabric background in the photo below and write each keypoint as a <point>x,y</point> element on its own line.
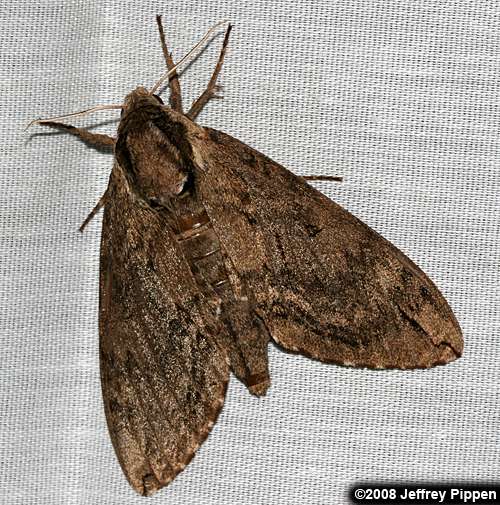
<point>399,97</point>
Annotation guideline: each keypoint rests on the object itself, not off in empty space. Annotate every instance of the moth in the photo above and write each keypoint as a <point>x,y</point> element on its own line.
<point>209,251</point>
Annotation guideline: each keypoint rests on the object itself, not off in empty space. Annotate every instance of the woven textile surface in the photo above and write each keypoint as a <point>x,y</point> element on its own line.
<point>399,97</point>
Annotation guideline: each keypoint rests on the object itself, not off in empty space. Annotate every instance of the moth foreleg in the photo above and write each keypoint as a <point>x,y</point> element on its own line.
<point>175,98</point>
<point>212,84</point>
<point>94,139</point>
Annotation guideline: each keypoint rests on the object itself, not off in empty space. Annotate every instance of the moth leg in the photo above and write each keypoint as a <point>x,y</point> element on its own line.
<point>94,139</point>
<point>94,211</point>
<point>322,178</point>
<point>212,87</point>
<point>175,98</point>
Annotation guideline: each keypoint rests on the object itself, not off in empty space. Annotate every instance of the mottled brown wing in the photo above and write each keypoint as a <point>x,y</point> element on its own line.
<point>163,375</point>
<point>325,284</point>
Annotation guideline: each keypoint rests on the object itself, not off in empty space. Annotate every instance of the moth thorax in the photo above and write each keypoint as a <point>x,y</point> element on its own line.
<point>159,172</point>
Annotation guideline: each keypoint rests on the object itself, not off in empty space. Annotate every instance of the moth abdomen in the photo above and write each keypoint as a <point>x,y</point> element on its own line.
<point>193,231</point>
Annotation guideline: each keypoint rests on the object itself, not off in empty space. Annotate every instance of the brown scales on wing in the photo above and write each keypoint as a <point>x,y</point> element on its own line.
<point>326,285</point>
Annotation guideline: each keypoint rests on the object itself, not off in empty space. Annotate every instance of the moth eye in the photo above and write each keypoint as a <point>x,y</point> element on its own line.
<point>158,98</point>
<point>186,185</point>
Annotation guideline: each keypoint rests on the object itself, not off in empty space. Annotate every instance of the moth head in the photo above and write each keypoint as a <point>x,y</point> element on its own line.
<point>140,97</point>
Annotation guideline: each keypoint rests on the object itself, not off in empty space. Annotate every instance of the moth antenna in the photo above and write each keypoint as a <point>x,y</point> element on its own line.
<point>166,75</point>
<point>74,114</point>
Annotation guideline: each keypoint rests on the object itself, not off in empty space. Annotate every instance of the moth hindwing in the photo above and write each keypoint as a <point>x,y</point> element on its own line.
<point>209,250</point>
